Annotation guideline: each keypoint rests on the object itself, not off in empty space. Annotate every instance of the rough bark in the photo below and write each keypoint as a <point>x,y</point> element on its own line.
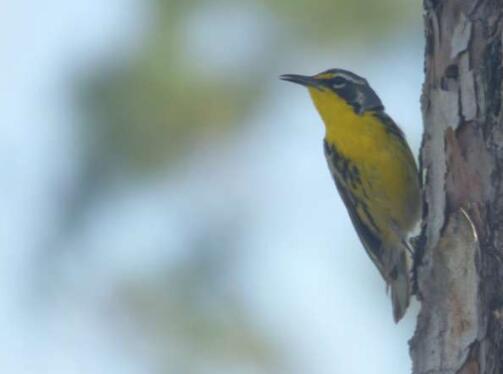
<point>460,267</point>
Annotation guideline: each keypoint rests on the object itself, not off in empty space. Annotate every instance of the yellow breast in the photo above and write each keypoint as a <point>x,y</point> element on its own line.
<point>385,162</point>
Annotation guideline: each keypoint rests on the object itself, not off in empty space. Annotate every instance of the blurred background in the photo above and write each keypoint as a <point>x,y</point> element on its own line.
<point>167,207</point>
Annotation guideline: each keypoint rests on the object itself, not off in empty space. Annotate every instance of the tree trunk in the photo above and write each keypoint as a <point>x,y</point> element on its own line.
<point>460,266</point>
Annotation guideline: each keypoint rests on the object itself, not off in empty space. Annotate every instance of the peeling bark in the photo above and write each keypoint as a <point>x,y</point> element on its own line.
<point>459,270</point>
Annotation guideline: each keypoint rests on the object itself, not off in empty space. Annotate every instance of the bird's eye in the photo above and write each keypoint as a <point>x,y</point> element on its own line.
<point>338,82</point>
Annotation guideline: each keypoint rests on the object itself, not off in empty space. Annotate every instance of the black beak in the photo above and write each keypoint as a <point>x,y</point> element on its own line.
<point>301,79</point>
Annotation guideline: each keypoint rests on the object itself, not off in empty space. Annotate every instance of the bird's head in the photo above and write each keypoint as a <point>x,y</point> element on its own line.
<point>339,85</point>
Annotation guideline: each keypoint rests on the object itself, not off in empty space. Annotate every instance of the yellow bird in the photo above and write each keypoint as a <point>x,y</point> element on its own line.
<point>374,171</point>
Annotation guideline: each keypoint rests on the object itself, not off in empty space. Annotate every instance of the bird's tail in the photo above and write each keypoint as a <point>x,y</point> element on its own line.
<point>400,286</point>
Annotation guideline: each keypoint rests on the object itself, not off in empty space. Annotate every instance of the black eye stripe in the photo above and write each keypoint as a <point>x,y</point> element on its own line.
<point>338,81</point>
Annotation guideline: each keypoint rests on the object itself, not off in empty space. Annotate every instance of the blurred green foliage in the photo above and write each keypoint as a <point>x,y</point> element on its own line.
<point>332,21</point>
<point>193,314</point>
<point>196,330</point>
<point>148,115</point>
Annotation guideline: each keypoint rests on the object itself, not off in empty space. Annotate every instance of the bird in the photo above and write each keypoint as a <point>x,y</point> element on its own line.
<point>374,171</point>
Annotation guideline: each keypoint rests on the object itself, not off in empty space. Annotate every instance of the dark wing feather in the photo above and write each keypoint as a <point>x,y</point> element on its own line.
<point>357,209</point>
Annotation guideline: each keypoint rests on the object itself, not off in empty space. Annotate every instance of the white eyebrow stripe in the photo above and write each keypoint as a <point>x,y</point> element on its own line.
<point>350,78</point>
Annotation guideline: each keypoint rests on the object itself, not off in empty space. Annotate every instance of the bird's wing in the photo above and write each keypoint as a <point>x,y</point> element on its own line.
<point>343,175</point>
